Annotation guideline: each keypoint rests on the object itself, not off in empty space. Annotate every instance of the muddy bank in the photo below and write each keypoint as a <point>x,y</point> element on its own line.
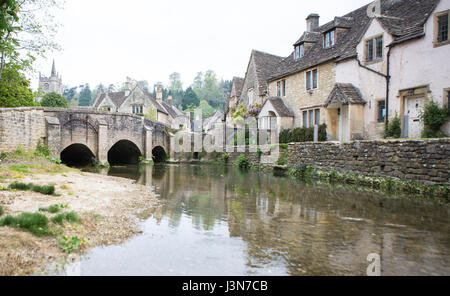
<point>108,207</point>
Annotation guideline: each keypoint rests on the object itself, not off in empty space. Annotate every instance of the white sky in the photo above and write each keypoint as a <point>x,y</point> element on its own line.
<point>108,40</point>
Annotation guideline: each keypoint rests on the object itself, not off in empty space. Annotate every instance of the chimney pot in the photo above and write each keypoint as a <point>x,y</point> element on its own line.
<point>312,22</point>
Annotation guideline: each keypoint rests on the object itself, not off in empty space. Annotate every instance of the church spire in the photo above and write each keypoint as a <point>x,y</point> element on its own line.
<point>53,69</point>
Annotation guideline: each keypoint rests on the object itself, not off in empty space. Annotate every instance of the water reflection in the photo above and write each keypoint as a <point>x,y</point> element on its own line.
<point>223,221</point>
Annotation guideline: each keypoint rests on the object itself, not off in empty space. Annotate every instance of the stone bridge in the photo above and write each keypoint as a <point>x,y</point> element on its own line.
<point>77,136</point>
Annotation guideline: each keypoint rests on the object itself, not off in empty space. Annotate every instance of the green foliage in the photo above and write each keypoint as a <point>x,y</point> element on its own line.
<point>242,161</point>
<point>225,157</point>
<point>283,158</point>
<point>152,114</point>
<point>394,129</point>
<point>42,150</point>
<point>15,89</point>
<point>54,100</point>
<point>85,96</point>
<point>302,134</point>
<point>1,211</point>
<point>56,208</point>
<point>70,217</point>
<point>206,108</point>
<point>190,99</point>
<point>69,245</point>
<point>434,118</point>
<point>34,223</point>
<point>258,152</point>
<point>46,190</point>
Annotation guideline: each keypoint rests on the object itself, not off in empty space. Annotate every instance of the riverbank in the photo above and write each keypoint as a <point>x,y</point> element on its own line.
<point>107,208</point>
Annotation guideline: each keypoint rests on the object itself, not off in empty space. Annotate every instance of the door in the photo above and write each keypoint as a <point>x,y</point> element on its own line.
<point>414,109</point>
<point>343,124</point>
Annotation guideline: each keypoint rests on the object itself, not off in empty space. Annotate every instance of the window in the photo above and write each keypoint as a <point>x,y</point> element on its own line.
<point>299,51</point>
<point>379,54</point>
<point>443,28</point>
<point>311,118</point>
<point>312,81</point>
<point>381,111</point>
<point>250,96</point>
<point>448,102</point>
<point>134,109</point>
<point>369,50</point>
<point>141,109</point>
<point>315,82</point>
<point>329,39</point>
<point>279,89</point>
<point>284,87</point>
<point>317,117</point>
<point>308,80</point>
<point>374,49</point>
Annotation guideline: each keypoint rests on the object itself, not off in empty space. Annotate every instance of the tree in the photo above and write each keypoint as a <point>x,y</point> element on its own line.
<point>190,99</point>
<point>70,93</point>
<point>206,108</point>
<point>175,86</point>
<point>54,100</point>
<point>85,96</point>
<point>25,32</point>
<point>15,89</point>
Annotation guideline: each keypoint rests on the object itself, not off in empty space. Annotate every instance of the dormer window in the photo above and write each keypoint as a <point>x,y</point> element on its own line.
<point>299,51</point>
<point>329,39</point>
<point>374,49</point>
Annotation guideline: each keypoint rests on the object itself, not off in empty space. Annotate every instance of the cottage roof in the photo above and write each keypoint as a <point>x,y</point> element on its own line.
<point>280,107</point>
<point>345,93</point>
<point>404,19</point>
<point>265,65</point>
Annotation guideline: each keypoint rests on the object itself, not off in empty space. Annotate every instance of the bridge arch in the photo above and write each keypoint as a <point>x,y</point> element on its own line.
<point>77,155</point>
<point>159,154</point>
<point>124,152</point>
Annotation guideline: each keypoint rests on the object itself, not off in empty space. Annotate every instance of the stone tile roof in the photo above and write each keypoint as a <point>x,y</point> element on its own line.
<point>172,110</point>
<point>279,106</point>
<point>237,85</point>
<point>265,65</point>
<point>404,19</point>
<point>118,98</point>
<point>345,93</point>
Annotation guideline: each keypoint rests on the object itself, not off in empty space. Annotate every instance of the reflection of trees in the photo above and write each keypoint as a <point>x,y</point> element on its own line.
<point>300,225</point>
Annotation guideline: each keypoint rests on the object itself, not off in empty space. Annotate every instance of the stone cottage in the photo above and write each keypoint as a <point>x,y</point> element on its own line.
<point>135,100</point>
<point>235,94</point>
<point>362,69</point>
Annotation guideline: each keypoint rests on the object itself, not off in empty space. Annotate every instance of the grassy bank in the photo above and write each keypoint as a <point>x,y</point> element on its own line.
<point>48,211</point>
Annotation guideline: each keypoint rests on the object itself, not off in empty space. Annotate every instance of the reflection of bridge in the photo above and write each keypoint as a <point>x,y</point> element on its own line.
<point>77,136</point>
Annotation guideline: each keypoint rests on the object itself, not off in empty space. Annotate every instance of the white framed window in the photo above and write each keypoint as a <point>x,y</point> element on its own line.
<point>329,39</point>
<point>312,79</point>
<point>299,51</point>
<point>374,49</point>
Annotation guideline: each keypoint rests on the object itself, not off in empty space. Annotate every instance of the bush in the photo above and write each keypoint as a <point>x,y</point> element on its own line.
<point>1,211</point>
<point>70,217</point>
<point>434,118</point>
<point>283,159</point>
<point>34,223</point>
<point>54,208</point>
<point>394,129</point>
<point>42,150</point>
<point>242,161</point>
<point>46,190</point>
<point>302,134</point>
<point>225,157</point>
<point>54,100</point>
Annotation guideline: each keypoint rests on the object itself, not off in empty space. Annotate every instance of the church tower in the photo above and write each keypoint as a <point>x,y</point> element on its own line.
<point>52,83</point>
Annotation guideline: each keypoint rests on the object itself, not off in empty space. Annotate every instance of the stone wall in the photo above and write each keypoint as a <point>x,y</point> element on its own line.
<point>23,127</point>
<point>426,161</point>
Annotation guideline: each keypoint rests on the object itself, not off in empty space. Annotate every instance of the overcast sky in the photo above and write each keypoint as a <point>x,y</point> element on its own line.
<point>108,40</point>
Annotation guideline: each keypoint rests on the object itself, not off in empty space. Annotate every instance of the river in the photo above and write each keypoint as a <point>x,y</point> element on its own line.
<point>221,221</point>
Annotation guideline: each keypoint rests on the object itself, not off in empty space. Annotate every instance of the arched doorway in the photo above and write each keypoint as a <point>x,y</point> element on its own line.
<point>124,152</point>
<point>77,155</point>
<point>159,154</point>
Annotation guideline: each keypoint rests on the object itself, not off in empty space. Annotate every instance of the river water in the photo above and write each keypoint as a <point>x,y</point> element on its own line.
<point>219,220</point>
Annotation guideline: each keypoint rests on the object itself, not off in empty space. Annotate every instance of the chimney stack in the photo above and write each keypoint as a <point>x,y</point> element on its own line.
<point>312,22</point>
<point>169,99</point>
<point>128,86</point>
<point>159,93</point>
